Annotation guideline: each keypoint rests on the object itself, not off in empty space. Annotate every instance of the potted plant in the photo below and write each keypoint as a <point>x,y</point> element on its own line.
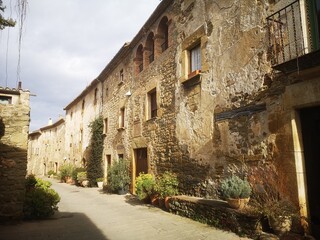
<point>166,186</point>
<point>145,184</point>
<point>236,191</point>
<point>82,179</point>
<point>100,182</point>
<point>280,214</point>
<point>118,176</point>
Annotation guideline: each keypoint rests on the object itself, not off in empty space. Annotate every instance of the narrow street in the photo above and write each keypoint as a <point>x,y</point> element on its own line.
<point>86,213</point>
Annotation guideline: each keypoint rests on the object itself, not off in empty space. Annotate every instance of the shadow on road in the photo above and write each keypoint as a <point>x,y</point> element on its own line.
<point>62,226</point>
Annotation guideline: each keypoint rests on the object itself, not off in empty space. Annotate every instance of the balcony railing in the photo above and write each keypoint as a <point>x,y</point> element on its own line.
<point>286,34</point>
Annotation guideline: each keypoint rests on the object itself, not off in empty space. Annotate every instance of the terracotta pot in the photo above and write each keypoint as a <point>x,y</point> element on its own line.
<point>166,202</point>
<point>238,203</point>
<point>280,224</point>
<point>154,200</point>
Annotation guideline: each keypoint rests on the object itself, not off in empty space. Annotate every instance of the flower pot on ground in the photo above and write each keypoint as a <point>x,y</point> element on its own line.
<point>82,179</point>
<point>236,191</point>
<point>118,176</point>
<point>145,184</point>
<point>166,186</point>
<point>280,214</point>
<point>100,182</point>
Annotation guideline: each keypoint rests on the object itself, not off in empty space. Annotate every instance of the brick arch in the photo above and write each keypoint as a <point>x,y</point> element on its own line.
<point>162,36</point>
<point>139,59</point>
<point>149,49</point>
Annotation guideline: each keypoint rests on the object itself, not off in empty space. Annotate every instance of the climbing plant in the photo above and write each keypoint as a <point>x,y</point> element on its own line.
<point>94,167</point>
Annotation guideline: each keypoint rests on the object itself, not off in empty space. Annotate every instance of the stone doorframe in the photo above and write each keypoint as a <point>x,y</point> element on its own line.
<point>298,96</point>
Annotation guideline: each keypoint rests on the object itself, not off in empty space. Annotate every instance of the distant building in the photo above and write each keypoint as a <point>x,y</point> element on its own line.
<point>46,148</point>
<point>14,128</point>
<point>210,87</point>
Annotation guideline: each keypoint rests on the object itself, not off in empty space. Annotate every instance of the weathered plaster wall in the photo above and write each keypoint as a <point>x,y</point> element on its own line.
<point>14,124</point>
<point>78,119</point>
<point>47,149</point>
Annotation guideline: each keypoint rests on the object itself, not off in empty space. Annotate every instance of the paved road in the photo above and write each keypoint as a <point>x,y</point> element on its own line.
<point>87,214</point>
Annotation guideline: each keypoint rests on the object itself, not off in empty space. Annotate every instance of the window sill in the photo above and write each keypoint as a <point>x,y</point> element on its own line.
<point>194,78</point>
<point>151,119</point>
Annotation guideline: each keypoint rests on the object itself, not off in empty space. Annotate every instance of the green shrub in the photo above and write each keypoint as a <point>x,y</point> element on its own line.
<point>118,176</point>
<point>40,201</point>
<point>51,172</point>
<point>235,187</point>
<point>81,176</point>
<point>145,184</point>
<point>75,172</point>
<point>101,179</point>
<point>167,185</point>
<point>66,171</point>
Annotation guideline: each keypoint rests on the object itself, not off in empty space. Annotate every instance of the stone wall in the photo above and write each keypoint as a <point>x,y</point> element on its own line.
<point>46,149</point>
<point>14,125</point>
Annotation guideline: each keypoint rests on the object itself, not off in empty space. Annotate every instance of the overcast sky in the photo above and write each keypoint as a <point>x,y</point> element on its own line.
<point>65,45</point>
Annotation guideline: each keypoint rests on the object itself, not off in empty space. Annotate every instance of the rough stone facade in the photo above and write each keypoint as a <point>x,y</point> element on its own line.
<point>14,127</point>
<point>238,108</point>
<point>46,148</point>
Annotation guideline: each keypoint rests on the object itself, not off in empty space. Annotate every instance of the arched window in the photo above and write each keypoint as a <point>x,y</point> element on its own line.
<point>149,49</point>
<point>139,59</point>
<point>162,34</point>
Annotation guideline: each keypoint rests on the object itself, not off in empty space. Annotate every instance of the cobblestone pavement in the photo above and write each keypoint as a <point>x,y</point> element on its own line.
<point>88,214</point>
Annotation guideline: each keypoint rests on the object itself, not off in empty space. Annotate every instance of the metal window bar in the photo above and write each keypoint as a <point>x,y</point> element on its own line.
<point>151,58</point>
<point>285,34</point>
<point>141,67</point>
<point>164,46</point>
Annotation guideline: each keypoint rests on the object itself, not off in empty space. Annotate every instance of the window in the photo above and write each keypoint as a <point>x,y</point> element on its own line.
<point>195,59</point>
<point>95,96</point>
<point>105,126</point>
<point>152,104</point>
<point>121,76</point>
<point>108,160</point>
<point>139,59</point>
<point>150,48</point>
<point>107,92</point>
<point>5,100</point>
<point>82,107</point>
<point>163,34</point>
<point>120,156</point>
<point>121,118</point>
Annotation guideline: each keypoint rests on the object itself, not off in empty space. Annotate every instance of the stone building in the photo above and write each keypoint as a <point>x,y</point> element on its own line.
<point>208,87</point>
<point>46,148</point>
<point>79,114</point>
<point>14,127</point>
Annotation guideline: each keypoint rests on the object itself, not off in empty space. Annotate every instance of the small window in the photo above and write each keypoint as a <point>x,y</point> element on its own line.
<point>195,59</point>
<point>121,76</point>
<point>152,104</point>
<point>95,96</point>
<point>120,156</point>
<point>82,107</point>
<point>121,118</point>
<point>105,126</point>
<point>107,92</point>
<point>5,99</point>
<point>108,160</point>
